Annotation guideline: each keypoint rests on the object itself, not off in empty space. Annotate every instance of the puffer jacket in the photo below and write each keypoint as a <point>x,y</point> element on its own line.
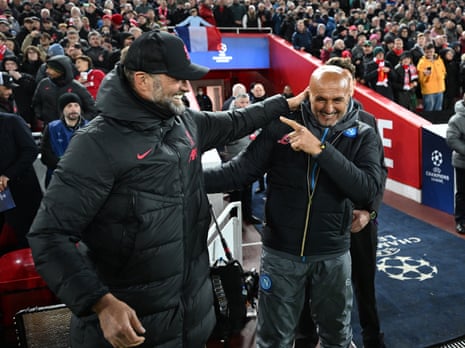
<point>44,100</point>
<point>301,220</point>
<point>130,188</point>
<point>455,135</point>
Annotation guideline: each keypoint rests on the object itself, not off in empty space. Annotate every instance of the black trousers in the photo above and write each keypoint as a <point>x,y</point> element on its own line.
<point>460,195</point>
<point>363,252</point>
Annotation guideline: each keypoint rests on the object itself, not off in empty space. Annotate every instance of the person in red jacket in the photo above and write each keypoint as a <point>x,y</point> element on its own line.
<point>91,78</point>
<point>206,11</point>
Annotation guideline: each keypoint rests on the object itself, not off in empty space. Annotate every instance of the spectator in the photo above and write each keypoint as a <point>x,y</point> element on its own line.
<point>277,20</point>
<point>143,6</point>
<point>206,11</point>
<point>73,50</point>
<point>7,100</point>
<point>418,49</point>
<point>194,20</point>
<point>238,10</point>
<point>237,89</point>
<point>432,79</point>
<point>379,74</point>
<point>358,54</point>
<point>18,153</point>
<point>204,101</point>
<point>59,81</point>
<point>351,39</point>
<point>88,76</point>
<point>338,48</point>
<point>99,55</point>
<point>302,39</point>
<point>264,14</point>
<point>452,81</point>
<point>179,14</point>
<point>288,26</point>
<point>251,19</point>
<point>393,55</point>
<point>317,40</point>
<point>23,88</point>
<point>287,91</point>
<point>405,82</point>
<point>404,35</point>
<point>54,50</point>
<point>162,13</point>
<point>455,137</point>
<point>32,61</point>
<point>161,208</point>
<point>327,49</point>
<point>224,17</point>
<point>58,133</point>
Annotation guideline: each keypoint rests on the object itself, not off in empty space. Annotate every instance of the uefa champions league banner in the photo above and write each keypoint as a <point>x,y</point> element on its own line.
<point>437,171</point>
<point>236,53</point>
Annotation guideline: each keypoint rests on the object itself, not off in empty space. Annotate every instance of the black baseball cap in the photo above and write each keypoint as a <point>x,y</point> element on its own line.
<point>159,52</point>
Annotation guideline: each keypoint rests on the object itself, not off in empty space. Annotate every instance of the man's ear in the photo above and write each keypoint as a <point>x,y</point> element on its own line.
<point>141,81</point>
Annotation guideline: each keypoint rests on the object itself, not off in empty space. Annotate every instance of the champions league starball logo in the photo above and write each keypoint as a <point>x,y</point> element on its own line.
<point>435,172</point>
<point>222,57</point>
<point>400,267</point>
<point>436,158</point>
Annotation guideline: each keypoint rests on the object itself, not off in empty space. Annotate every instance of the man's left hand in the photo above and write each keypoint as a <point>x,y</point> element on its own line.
<point>294,102</point>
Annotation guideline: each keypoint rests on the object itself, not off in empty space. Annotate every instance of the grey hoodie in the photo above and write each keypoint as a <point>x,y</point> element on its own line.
<point>455,135</point>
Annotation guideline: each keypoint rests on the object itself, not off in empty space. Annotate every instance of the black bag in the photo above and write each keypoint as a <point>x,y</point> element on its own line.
<point>230,298</point>
<point>229,292</point>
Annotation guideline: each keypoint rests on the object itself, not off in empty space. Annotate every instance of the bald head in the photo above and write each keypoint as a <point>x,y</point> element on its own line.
<point>330,90</point>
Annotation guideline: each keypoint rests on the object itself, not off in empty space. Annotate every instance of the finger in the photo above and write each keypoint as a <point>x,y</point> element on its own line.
<point>137,325</point>
<point>132,338</point>
<point>291,123</point>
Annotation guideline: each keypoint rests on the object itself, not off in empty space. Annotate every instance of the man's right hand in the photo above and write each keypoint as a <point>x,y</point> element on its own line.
<point>119,322</point>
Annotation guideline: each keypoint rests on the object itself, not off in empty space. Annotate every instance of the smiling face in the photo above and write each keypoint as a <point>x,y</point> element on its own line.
<point>167,92</point>
<point>330,90</point>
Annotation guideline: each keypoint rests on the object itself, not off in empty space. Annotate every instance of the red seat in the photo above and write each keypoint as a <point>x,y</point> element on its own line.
<point>21,287</point>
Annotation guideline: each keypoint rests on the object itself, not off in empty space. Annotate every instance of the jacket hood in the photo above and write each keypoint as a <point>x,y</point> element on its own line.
<point>67,68</point>
<point>117,100</point>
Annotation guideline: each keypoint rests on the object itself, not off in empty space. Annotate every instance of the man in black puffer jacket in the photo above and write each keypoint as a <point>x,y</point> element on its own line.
<point>60,80</point>
<point>121,236</point>
<point>318,170</point>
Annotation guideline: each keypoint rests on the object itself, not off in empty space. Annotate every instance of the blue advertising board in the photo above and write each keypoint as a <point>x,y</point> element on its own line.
<point>236,53</point>
<point>437,171</point>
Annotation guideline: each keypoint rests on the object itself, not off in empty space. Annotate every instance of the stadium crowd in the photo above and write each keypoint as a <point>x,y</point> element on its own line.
<point>393,44</point>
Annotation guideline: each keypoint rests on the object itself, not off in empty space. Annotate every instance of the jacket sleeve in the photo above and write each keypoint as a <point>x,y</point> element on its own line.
<point>376,203</point>
<point>48,157</point>
<point>26,148</point>
<point>454,136</point>
<point>89,109</point>
<point>361,178</point>
<point>37,102</point>
<point>220,128</point>
<point>70,203</point>
<point>243,169</point>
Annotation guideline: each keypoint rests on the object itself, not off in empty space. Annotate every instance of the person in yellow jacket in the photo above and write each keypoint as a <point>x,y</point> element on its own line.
<point>432,76</point>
